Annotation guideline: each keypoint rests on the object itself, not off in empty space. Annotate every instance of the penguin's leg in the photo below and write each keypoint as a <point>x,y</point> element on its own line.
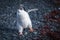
<point>20,30</point>
<point>30,28</point>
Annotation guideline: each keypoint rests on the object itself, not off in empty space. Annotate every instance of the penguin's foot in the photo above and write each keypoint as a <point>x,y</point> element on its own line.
<point>20,33</point>
<point>31,30</point>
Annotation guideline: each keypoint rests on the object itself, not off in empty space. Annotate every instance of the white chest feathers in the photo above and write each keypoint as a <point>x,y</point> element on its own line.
<point>24,18</point>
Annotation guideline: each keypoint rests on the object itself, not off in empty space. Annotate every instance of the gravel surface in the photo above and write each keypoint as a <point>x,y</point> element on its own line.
<point>8,28</point>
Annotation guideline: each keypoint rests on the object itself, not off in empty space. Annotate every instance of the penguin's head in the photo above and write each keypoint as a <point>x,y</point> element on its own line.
<point>21,7</point>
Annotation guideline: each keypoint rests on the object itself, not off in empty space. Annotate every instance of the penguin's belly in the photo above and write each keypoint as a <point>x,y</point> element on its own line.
<point>24,19</point>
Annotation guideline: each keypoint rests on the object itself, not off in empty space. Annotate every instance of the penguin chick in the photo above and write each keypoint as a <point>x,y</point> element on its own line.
<point>23,21</point>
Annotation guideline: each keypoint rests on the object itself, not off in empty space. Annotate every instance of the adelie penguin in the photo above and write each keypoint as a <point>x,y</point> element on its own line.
<point>23,19</point>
